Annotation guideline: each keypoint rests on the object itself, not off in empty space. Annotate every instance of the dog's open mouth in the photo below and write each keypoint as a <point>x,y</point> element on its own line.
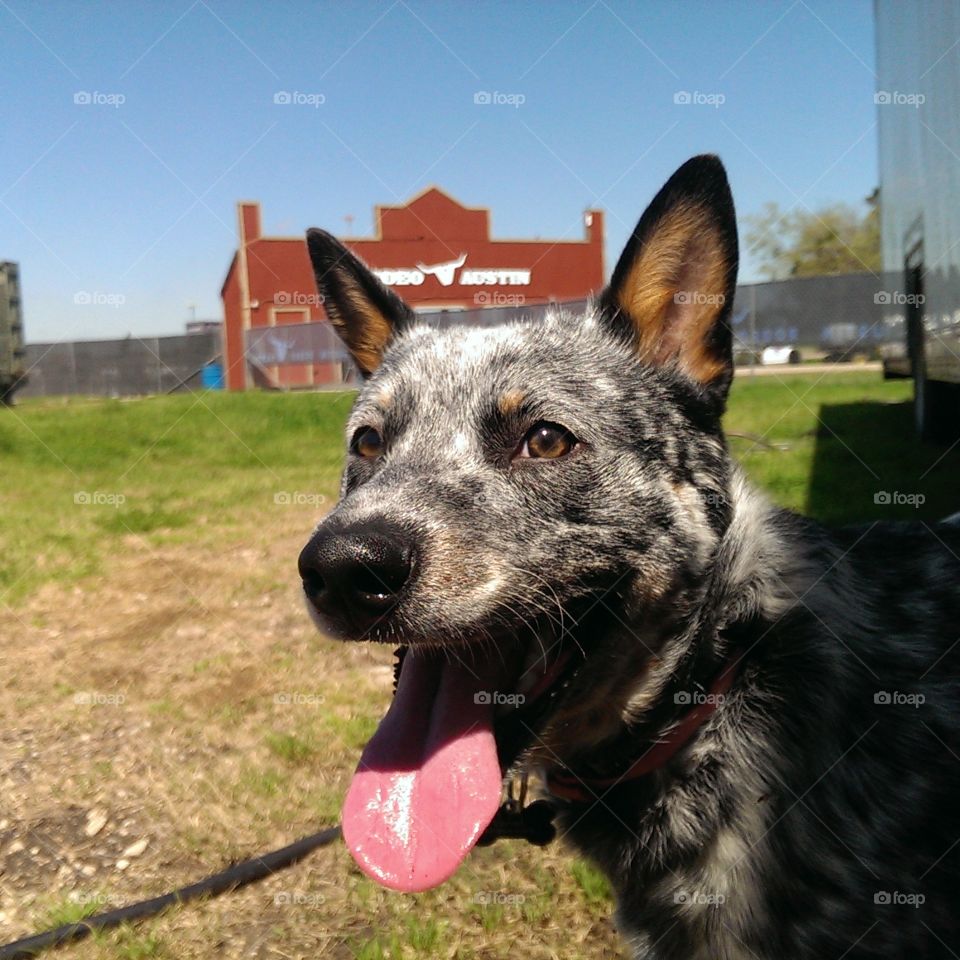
<point>429,781</point>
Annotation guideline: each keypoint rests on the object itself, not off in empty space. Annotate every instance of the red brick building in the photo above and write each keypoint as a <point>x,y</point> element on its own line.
<point>434,252</point>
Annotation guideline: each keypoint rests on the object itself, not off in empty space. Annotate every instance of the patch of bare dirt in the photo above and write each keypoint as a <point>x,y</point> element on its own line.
<point>105,690</point>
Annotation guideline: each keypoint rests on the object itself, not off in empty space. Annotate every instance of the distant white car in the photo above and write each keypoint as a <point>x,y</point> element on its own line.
<point>771,356</point>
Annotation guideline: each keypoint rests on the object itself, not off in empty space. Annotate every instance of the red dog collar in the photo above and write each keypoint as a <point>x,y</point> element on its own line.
<point>567,785</point>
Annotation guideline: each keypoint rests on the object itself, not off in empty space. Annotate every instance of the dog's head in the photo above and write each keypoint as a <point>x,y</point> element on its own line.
<point>521,501</point>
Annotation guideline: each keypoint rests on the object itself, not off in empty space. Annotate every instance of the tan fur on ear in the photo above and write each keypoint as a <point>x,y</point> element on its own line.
<point>366,315</point>
<point>675,290</point>
<point>369,331</point>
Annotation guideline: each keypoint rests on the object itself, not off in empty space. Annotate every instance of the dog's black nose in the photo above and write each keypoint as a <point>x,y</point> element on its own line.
<point>355,575</point>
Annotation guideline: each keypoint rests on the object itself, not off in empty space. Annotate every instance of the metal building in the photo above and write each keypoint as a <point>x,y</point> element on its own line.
<point>918,113</point>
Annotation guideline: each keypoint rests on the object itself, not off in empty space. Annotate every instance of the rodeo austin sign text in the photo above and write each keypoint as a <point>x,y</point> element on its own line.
<point>446,274</point>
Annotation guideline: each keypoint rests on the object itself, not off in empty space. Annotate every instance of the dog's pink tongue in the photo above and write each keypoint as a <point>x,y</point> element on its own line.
<point>428,782</point>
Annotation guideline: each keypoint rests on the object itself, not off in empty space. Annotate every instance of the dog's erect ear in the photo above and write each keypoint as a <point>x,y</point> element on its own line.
<point>672,290</point>
<point>363,311</point>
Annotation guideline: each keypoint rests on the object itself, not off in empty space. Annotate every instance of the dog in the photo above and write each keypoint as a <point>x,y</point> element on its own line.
<point>749,722</point>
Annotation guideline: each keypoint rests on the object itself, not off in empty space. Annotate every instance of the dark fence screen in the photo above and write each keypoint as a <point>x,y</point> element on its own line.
<point>821,314</point>
<point>821,317</point>
<point>128,367</point>
<point>294,343</point>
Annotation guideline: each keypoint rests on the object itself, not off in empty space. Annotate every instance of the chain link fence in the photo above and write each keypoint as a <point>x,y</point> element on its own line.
<point>118,368</point>
<point>810,318</point>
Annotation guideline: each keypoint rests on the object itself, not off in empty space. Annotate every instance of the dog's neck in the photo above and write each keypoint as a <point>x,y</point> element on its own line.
<point>585,785</point>
<point>747,588</point>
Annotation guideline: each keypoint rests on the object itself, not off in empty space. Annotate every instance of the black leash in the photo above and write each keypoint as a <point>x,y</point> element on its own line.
<point>239,875</point>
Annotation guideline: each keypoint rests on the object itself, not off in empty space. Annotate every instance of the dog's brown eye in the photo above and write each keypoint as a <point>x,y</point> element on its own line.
<point>547,441</point>
<point>367,442</point>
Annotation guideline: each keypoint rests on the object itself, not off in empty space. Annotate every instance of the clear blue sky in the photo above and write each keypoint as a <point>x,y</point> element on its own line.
<point>136,202</point>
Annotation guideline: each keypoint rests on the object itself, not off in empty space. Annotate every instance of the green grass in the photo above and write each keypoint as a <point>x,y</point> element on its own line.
<point>289,747</point>
<point>128,942</point>
<point>69,909</point>
<point>259,782</point>
<point>353,731</point>
<point>81,475</point>
<point>124,943</point>
<point>832,443</point>
<point>595,886</point>
<point>132,946</point>
<point>419,937</point>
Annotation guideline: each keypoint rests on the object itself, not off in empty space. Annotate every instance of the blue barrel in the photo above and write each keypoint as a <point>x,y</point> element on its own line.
<point>211,377</point>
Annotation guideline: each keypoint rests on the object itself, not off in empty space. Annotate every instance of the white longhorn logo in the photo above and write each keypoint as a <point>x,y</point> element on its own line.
<point>443,271</point>
<point>278,346</point>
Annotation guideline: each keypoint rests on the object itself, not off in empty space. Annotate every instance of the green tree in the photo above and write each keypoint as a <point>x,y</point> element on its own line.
<point>803,243</point>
